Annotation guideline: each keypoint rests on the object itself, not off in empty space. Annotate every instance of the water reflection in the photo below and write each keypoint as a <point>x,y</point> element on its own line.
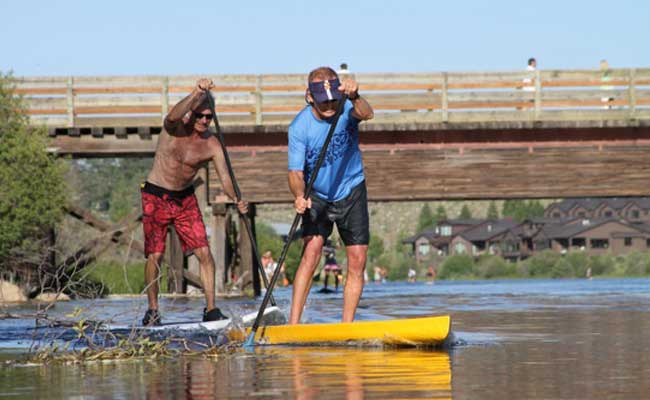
<point>299,373</point>
<point>308,373</point>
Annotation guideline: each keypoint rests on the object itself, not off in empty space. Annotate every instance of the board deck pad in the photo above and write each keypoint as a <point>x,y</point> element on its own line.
<point>272,316</point>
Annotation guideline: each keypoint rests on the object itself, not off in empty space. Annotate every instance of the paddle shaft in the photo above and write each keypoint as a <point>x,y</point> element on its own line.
<point>296,219</point>
<point>231,172</point>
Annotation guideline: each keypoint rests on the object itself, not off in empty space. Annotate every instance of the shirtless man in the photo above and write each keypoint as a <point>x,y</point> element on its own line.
<point>184,145</point>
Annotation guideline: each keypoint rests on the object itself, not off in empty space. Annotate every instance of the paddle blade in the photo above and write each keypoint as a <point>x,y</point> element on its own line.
<point>249,344</point>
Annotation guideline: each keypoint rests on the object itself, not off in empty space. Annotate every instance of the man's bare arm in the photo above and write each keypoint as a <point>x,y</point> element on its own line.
<point>224,176</point>
<point>362,109</point>
<point>297,187</point>
<point>222,170</point>
<point>297,183</point>
<point>190,102</point>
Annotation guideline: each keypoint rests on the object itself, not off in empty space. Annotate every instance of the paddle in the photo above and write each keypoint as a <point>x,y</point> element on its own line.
<point>247,221</point>
<point>250,341</point>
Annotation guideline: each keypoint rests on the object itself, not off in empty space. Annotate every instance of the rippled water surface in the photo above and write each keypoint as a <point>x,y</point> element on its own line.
<point>513,340</point>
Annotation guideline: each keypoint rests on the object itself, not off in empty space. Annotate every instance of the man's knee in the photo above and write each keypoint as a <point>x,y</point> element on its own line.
<point>357,255</point>
<point>155,259</point>
<point>313,246</point>
<point>203,254</point>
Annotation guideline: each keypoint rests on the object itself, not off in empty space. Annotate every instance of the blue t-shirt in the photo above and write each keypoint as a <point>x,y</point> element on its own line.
<point>342,168</point>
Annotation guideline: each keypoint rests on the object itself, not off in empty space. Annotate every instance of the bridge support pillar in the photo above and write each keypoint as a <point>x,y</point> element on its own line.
<point>219,245</point>
<point>248,260</point>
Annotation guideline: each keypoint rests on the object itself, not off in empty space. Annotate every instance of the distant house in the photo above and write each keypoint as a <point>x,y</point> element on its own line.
<point>497,237</point>
<point>594,236</point>
<point>437,240</point>
<point>635,209</point>
<point>593,225</point>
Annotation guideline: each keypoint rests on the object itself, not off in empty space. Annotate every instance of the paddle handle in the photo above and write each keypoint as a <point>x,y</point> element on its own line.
<point>231,173</point>
<point>296,219</point>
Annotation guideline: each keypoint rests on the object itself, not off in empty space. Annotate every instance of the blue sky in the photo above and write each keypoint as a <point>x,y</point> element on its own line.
<point>172,37</point>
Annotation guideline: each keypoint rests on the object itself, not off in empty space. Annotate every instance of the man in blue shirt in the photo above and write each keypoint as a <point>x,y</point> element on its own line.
<point>339,193</point>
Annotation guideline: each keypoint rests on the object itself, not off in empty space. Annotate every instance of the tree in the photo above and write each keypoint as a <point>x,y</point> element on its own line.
<point>375,249</point>
<point>110,186</point>
<point>425,220</point>
<point>520,210</point>
<point>33,191</point>
<point>441,213</point>
<point>268,239</point>
<point>535,209</point>
<point>510,208</point>
<point>492,212</point>
<point>465,213</point>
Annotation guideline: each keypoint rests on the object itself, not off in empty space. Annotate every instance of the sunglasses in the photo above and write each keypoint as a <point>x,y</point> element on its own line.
<point>200,116</point>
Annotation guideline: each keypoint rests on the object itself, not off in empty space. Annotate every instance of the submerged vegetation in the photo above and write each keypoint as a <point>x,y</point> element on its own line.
<point>80,340</point>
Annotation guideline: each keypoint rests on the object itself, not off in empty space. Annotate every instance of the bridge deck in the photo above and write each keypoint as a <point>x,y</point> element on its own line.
<point>435,136</point>
<point>263,102</point>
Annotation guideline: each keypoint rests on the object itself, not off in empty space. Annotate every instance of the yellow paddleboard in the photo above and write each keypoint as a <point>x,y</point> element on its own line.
<point>428,331</point>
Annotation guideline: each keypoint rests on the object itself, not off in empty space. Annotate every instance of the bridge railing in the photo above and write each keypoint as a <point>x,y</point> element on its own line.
<point>249,100</point>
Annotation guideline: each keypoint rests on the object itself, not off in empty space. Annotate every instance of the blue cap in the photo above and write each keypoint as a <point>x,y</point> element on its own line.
<point>326,90</point>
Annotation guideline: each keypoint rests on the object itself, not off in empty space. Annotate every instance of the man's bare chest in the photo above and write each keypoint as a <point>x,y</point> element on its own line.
<point>190,152</point>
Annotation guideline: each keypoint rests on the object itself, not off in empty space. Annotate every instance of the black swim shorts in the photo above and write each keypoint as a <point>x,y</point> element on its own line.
<point>350,215</point>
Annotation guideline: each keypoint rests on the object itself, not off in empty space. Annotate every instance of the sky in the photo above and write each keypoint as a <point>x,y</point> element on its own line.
<point>120,37</point>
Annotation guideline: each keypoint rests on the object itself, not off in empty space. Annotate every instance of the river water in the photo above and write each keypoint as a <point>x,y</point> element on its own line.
<point>519,339</point>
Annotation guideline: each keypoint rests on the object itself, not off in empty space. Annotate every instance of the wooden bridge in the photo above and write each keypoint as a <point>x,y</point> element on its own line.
<point>477,135</point>
<point>556,133</point>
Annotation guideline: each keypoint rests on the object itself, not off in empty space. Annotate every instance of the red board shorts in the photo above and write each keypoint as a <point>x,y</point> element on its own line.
<point>161,207</point>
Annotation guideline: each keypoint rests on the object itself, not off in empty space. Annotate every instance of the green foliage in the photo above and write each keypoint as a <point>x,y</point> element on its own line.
<point>465,213</point>
<point>457,267</point>
<point>400,248</point>
<point>492,212</point>
<point>397,265</point>
<point>441,213</point>
<point>578,262</point>
<point>123,279</point>
<point>267,239</point>
<point>562,269</point>
<point>635,264</point>
<point>33,192</point>
<point>601,265</point>
<point>539,265</point>
<point>111,186</point>
<point>375,249</point>
<point>425,219</point>
<point>489,267</point>
<point>535,209</point>
<point>520,210</point>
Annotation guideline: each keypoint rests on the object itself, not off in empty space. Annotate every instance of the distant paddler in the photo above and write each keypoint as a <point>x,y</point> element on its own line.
<point>184,145</point>
<point>339,192</point>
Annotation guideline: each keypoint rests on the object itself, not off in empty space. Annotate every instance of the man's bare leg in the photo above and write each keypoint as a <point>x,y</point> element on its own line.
<point>304,274</point>
<point>206,263</point>
<point>354,284</point>
<point>152,273</point>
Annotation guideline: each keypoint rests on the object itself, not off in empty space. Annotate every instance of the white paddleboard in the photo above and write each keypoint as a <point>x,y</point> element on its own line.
<point>271,314</point>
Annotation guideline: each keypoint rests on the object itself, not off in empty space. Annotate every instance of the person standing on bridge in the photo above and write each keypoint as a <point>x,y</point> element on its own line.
<point>184,145</point>
<point>339,192</point>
